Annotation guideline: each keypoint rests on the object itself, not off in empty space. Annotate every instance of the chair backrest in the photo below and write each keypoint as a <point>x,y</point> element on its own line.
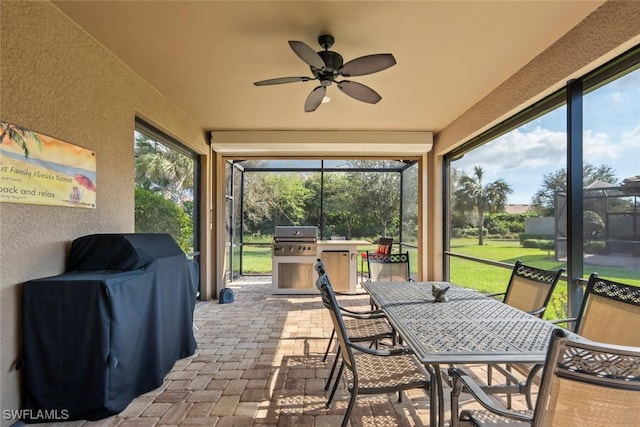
<point>530,288</point>
<point>320,269</point>
<point>331,303</point>
<point>323,278</point>
<point>384,245</point>
<point>610,312</point>
<point>587,383</point>
<point>388,267</point>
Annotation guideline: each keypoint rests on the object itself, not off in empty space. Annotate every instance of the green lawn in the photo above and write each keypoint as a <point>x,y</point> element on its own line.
<point>485,278</point>
<point>510,251</point>
<point>256,260</point>
<point>491,279</point>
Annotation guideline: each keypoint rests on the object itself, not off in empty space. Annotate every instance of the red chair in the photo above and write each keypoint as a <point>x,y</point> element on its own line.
<point>384,247</point>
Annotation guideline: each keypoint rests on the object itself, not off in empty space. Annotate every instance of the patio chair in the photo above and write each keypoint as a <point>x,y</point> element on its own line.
<point>369,370</point>
<point>385,245</point>
<point>362,326</point>
<point>584,383</point>
<point>610,312</point>
<point>530,290</point>
<point>389,267</point>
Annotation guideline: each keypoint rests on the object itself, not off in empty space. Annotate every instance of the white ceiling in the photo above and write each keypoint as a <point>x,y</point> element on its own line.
<point>205,55</point>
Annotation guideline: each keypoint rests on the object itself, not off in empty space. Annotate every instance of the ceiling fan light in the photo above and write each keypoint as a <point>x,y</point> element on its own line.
<point>326,99</point>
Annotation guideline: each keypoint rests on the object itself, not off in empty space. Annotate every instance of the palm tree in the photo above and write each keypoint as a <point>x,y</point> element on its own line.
<point>164,170</point>
<point>19,136</point>
<point>489,198</point>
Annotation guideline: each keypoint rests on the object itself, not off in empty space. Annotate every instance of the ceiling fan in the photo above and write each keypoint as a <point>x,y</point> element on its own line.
<point>327,66</point>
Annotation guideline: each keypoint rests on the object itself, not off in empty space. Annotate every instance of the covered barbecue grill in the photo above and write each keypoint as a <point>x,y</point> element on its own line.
<point>110,328</point>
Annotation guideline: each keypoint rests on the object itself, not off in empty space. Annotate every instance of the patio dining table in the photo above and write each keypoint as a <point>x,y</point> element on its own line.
<point>469,328</point>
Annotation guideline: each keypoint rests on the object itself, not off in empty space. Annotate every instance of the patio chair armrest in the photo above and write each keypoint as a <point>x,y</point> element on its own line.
<point>495,294</point>
<point>348,310</point>
<point>363,315</point>
<point>565,320</point>
<point>507,374</point>
<point>361,312</point>
<point>393,351</point>
<point>538,311</point>
<point>461,377</point>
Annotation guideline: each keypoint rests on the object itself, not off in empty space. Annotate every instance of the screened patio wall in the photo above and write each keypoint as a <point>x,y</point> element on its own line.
<point>352,199</point>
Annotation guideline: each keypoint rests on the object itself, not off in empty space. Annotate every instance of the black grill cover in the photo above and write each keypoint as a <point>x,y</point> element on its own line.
<point>123,252</point>
<point>93,341</point>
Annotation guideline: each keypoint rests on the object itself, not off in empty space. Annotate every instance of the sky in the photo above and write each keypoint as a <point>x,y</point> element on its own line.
<point>611,136</point>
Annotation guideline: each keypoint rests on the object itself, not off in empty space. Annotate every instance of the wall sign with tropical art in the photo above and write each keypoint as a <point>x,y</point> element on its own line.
<point>40,170</point>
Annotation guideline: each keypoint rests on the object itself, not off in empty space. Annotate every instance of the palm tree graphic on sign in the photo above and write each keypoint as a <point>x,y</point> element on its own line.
<point>19,136</point>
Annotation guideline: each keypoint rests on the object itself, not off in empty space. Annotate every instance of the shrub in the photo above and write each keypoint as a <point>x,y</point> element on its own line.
<point>595,247</point>
<point>257,238</point>
<point>544,244</point>
<point>529,236</point>
<point>547,244</point>
<point>593,224</point>
<point>461,233</point>
<point>503,223</point>
<point>155,214</point>
<point>539,244</point>
<point>502,236</point>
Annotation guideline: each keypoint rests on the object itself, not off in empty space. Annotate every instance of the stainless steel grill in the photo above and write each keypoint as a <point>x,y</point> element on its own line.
<point>295,241</point>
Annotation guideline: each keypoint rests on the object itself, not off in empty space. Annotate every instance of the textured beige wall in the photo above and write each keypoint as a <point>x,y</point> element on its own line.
<point>57,80</point>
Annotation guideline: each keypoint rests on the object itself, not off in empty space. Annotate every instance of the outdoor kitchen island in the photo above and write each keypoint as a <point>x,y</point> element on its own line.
<point>340,258</point>
<point>294,254</point>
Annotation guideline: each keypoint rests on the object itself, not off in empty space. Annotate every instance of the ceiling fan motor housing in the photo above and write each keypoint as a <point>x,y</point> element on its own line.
<point>332,61</point>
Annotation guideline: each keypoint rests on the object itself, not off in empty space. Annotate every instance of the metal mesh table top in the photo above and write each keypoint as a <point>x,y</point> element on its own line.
<point>469,328</point>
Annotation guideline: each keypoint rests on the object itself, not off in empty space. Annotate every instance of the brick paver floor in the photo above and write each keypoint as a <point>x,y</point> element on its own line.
<point>259,363</point>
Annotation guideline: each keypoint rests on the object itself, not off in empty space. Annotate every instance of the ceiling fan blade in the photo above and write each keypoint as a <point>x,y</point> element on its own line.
<point>307,54</point>
<point>282,80</point>
<point>368,64</point>
<point>359,91</point>
<point>314,99</point>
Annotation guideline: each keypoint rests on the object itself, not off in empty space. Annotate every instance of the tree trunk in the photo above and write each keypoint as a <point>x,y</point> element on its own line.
<point>480,226</point>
